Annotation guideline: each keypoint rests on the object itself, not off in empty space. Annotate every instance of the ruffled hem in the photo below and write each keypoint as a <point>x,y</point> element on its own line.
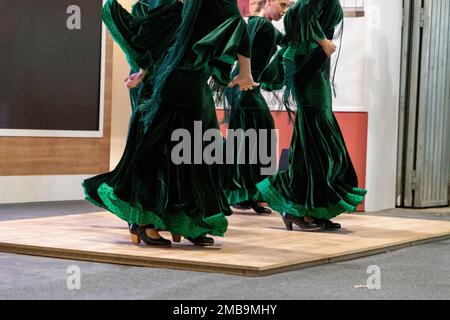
<point>178,223</point>
<point>218,50</point>
<point>143,38</point>
<point>90,199</point>
<point>348,204</point>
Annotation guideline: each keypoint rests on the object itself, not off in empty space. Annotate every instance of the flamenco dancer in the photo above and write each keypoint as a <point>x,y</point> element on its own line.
<point>249,109</point>
<point>320,182</point>
<point>141,88</point>
<point>197,39</point>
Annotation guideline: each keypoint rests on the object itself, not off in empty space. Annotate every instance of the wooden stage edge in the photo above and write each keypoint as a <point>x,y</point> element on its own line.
<point>152,262</point>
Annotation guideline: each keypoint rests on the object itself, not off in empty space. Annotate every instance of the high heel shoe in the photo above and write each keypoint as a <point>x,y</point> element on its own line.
<point>289,220</point>
<point>176,238</point>
<point>259,209</point>
<point>328,224</point>
<point>138,234</point>
<point>202,241</point>
<point>199,241</point>
<point>245,205</point>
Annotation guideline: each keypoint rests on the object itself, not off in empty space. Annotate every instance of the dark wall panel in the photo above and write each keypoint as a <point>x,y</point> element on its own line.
<point>49,74</point>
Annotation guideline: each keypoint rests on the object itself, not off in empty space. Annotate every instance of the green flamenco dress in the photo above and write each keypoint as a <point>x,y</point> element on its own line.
<point>140,9</point>
<point>320,182</point>
<point>124,29</point>
<point>249,110</point>
<point>147,187</point>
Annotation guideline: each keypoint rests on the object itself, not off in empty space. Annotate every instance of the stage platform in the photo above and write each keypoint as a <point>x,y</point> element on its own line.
<point>253,246</point>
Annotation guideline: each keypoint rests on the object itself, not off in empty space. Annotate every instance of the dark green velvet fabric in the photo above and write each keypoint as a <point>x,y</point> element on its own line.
<point>147,187</point>
<point>321,181</point>
<point>141,9</point>
<point>251,112</point>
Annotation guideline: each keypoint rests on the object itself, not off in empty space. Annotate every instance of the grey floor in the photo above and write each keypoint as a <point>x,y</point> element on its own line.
<point>421,272</point>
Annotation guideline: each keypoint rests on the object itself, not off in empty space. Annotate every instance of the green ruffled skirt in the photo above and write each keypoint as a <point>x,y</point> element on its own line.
<point>241,179</point>
<point>321,181</point>
<point>147,187</point>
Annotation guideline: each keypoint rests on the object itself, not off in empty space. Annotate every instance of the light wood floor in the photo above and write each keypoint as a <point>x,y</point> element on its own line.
<point>253,246</point>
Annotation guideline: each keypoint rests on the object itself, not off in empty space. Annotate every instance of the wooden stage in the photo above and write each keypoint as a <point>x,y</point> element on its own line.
<point>254,245</point>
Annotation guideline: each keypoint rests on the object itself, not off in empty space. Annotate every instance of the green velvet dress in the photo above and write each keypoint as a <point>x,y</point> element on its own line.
<point>249,110</point>
<point>140,9</point>
<point>321,181</point>
<point>147,187</point>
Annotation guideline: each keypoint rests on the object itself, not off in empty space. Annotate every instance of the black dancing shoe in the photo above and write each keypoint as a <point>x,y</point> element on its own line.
<point>289,220</point>
<point>202,241</point>
<point>199,241</point>
<point>243,205</point>
<point>259,209</point>
<point>138,234</point>
<point>328,224</point>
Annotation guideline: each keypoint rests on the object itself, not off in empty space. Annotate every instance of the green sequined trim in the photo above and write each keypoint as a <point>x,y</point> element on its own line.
<point>277,202</point>
<point>117,36</point>
<point>359,192</point>
<point>178,223</point>
<point>90,199</point>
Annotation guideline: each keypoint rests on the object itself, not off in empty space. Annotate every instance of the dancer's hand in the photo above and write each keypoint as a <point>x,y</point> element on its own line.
<point>328,46</point>
<point>135,79</point>
<point>245,82</point>
<point>244,79</point>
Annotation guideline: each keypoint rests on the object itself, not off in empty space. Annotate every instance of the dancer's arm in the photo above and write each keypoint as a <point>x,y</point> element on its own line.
<point>244,79</point>
<point>303,26</point>
<point>315,10</point>
<point>143,37</point>
<point>328,46</point>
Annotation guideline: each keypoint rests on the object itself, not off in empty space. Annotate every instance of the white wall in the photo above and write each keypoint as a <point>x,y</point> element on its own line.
<point>121,106</point>
<point>21,189</point>
<point>382,83</point>
<point>350,75</point>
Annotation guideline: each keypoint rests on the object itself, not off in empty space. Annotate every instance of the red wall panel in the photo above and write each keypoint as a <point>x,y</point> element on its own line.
<point>354,129</point>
